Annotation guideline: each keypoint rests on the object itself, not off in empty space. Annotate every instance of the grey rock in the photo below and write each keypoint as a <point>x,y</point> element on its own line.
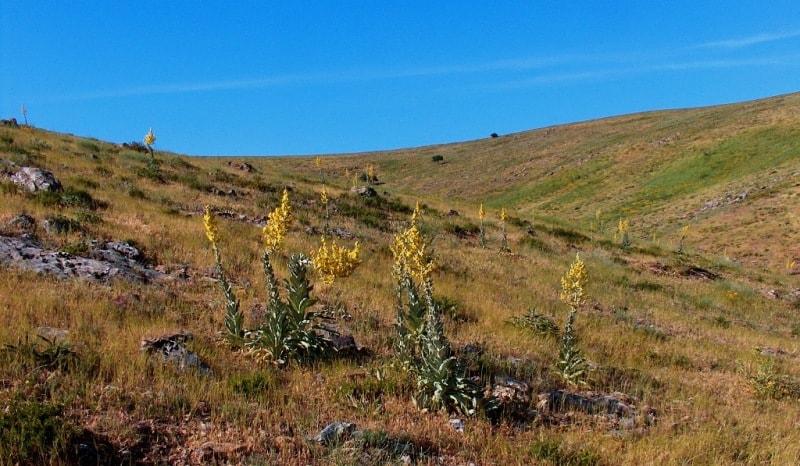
<point>172,350</point>
<point>105,265</point>
<point>365,191</point>
<point>21,223</point>
<point>35,179</point>
<point>335,432</point>
<point>613,404</point>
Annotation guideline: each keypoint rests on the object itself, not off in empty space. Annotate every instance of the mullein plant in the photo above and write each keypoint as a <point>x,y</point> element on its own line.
<point>571,367</point>
<point>149,140</point>
<point>504,247</point>
<point>234,318</point>
<point>291,330</point>
<point>622,230</point>
<point>318,164</point>
<point>324,199</point>
<point>423,349</point>
<point>684,231</point>
<point>482,234</point>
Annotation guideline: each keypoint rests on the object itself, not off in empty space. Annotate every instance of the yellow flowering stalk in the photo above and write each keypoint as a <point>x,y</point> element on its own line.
<point>622,229</point>
<point>410,252</point>
<point>149,140</point>
<point>210,224</point>
<point>234,318</point>
<point>504,246</point>
<point>333,261</point>
<point>318,164</point>
<point>684,231</point>
<point>481,216</point>
<point>279,221</point>
<point>572,284</point>
<point>324,199</point>
<point>570,365</point>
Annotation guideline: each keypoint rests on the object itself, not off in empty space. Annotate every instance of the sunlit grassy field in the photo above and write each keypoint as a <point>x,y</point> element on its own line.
<point>709,365</point>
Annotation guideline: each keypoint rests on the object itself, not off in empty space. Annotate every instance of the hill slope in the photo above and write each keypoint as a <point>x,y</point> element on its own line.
<point>691,357</point>
<point>732,172</point>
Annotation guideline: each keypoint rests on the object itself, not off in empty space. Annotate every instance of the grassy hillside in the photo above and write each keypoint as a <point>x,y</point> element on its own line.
<point>700,345</point>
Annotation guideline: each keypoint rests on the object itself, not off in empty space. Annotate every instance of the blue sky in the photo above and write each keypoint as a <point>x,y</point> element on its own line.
<point>303,77</point>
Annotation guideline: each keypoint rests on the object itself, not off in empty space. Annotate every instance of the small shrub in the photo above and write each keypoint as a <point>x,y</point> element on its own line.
<point>554,452</point>
<point>437,158</point>
<point>43,353</point>
<point>251,385</point>
<point>61,224</point>
<point>770,383</point>
<point>536,323</point>
<point>137,193</point>
<point>722,322</point>
<point>76,249</point>
<point>89,146</point>
<point>35,433</point>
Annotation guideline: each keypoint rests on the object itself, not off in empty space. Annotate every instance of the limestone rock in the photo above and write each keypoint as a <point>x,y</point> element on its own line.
<point>171,349</point>
<point>34,179</point>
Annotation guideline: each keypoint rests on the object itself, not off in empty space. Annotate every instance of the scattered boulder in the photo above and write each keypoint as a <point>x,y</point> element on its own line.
<point>172,350</point>
<point>588,402</point>
<point>33,179</point>
<point>342,343</point>
<point>334,433</point>
<point>19,225</point>
<point>243,166</point>
<point>365,191</point>
<point>452,213</point>
<point>699,273</point>
<point>513,398</point>
<point>341,233</point>
<point>104,265</point>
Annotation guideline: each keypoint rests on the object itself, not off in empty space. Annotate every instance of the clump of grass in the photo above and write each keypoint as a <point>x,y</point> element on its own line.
<point>554,452</point>
<point>770,383</point>
<point>32,432</point>
<point>41,353</point>
<point>536,323</point>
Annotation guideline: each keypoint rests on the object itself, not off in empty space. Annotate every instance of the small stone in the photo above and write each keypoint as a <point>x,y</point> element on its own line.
<point>457,424</point>
<point>335,432</point>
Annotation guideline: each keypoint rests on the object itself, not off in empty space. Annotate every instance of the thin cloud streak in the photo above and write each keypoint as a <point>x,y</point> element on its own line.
<point>330,77</point>
<point>747,41</point>
<point>508,65</point>
<point>601,74</point>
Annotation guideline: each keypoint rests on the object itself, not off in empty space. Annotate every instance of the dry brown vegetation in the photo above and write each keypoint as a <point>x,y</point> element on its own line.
<point>710,365</point>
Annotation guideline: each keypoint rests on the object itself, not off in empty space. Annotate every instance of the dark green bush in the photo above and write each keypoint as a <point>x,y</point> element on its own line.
<point>35,433</point>
<point>437,158</point>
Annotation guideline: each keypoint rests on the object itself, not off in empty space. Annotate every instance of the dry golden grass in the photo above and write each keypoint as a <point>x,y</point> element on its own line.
<point>689,349</point>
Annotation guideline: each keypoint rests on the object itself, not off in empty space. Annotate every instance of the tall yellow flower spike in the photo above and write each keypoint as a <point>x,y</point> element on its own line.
<point>318,163</point>
<point>279,220</point>
<point>503,215</point>
<point>623,226</point>
<point>333,261</point>
<point>410,252</point>
<point>573,282</point>
<point>481,213</point>
<point>210,224</point>
<point>324,196</point>
<point>150,138</point>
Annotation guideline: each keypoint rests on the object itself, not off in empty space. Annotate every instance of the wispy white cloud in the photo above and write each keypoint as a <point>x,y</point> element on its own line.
<point>747,41</point>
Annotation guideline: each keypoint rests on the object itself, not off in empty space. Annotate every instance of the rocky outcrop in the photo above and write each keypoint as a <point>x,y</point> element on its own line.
<point>107,261</point>
<point>171,349</point>
<point>33,179</point>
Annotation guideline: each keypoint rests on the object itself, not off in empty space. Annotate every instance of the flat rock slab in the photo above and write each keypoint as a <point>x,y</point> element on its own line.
<point>110,261</point>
